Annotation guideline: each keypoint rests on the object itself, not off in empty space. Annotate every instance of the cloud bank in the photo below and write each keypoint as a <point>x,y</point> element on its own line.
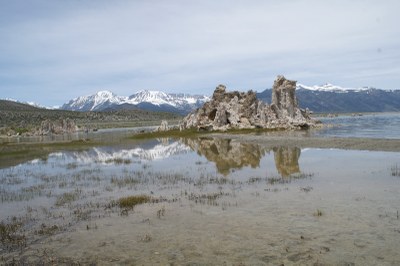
<point>51,51</point>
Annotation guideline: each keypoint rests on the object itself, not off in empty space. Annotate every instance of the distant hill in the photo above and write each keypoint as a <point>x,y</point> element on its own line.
<point>18,115</point>
<point>6,105</point>
<point>334,100</point>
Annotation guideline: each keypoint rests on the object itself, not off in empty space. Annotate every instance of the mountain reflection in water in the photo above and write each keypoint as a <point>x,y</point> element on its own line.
<point>228,155</point>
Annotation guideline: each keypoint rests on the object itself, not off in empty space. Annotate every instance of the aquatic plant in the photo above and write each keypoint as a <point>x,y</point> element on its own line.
<point>131,201</point>
<point>72,165</point>
<point>9,235</point>
<point>254,179</point>
<point>318,213</point>
<point>287,179</point>
<point>125,181</point>
<point>306,189</point>
<point>395,170</point>
<point>65,198</point>
<point>161,212</point>
<point>118,161</point>
<point>47,230</point>
<point>209,198</point>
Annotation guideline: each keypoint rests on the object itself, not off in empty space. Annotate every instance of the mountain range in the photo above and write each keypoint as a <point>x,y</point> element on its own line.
<point>145,100</point>
<point>325,98</point>
<point>329,98</point>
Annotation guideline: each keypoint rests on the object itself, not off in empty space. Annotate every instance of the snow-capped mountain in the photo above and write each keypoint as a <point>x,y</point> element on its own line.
<point>95,102</point>
<point>330,88</point>
<point>148,100</point>
<point>329,98</point>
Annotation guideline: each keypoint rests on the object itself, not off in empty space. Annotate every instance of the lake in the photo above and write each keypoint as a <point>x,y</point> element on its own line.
<point>211,201</point>
<point>376,125</point>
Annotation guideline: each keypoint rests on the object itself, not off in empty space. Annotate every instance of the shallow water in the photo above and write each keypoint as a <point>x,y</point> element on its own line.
<point>377,125</point>
<point>214,202</point>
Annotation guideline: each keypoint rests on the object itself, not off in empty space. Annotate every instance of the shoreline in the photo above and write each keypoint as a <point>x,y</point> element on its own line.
<point>369,144</point>
<point>300,139</point>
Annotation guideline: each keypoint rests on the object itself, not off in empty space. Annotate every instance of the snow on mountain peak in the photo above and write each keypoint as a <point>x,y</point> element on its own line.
<point>105,94</point>
<point>104,99</point>
<point>328,87</point>
<point>92,102</point>
<point>154,97</point>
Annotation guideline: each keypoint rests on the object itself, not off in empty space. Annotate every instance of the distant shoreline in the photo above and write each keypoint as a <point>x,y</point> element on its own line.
<point>369,144</point>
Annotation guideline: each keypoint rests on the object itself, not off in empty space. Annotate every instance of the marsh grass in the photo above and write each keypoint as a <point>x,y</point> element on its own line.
<point>131,201</point>
<point>66,198</point>
<point>174,133</point>
<point>47,230</point>
<point>287,179</point>
<point>124,181</point>
<point>10,236</point>
<point>24,195</point>
<point>209,198</point>
<point>118,161</point>
<point>254,179</point>
<point>71,166</point>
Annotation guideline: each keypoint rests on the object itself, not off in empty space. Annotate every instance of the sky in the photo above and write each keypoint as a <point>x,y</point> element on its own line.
<point>54,50</point>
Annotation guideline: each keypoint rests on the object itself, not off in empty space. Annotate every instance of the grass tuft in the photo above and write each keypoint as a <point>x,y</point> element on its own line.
<point>131,201</point>
<point>173,133</point>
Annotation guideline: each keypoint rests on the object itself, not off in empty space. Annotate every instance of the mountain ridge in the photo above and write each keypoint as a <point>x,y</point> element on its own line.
<point>145,100</point>
<point>326,98</point>
<point>344,101</point>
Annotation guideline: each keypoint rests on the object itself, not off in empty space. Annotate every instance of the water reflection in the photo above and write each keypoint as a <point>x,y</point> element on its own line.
<point>287,160</point>
<point>229,155</point>
<point>149,151</point>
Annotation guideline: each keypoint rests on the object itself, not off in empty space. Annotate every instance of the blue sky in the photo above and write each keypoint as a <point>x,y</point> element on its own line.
<point>53,50</point>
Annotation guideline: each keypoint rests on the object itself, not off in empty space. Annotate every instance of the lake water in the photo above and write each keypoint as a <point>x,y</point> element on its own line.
<point>214,201</point>
<point>377,125</point>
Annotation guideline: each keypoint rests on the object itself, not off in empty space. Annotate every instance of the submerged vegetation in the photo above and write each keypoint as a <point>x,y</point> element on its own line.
<point>63,193</point>
<point>395,170</point>
<point>10,235</point>
<point>172,133</point>
<point>131,201</point>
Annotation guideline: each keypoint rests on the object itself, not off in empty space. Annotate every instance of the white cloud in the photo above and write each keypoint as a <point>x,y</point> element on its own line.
<point>70,47</point>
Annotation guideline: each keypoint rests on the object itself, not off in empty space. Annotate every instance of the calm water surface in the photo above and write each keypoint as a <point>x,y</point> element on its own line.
<point>378,125</point>
<point>214,202</point>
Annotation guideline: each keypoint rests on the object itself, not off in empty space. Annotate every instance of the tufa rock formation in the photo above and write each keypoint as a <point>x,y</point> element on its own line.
<point>163,126</point>
<point>62,126</point>
<point>239,110</point>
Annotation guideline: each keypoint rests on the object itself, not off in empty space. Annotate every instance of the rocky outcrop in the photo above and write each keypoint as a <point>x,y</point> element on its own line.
<point>239,110</point>
<point>57,127</point>
<point>163,126</point>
